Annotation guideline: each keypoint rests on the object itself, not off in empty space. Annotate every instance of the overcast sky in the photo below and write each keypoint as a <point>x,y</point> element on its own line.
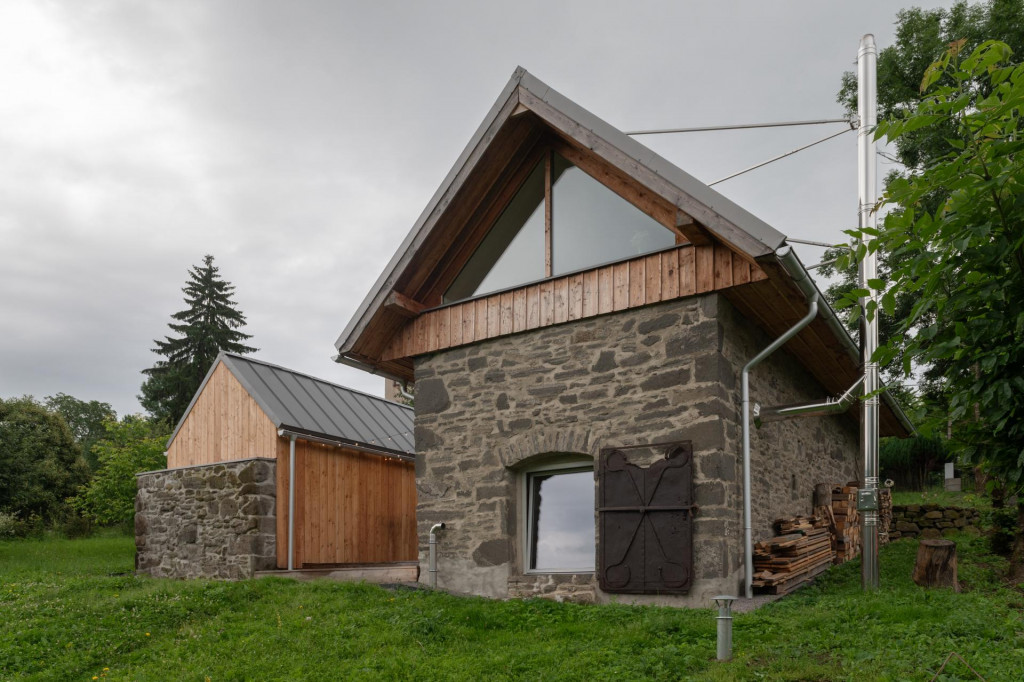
<point>298,141</point>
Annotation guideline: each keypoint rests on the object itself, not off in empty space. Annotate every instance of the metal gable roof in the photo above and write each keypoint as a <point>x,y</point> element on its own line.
<point>304,404</point>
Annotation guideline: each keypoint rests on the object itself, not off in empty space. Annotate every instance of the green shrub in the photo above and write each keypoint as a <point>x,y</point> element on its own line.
<point>1003,523</point>
<point>131,445</point>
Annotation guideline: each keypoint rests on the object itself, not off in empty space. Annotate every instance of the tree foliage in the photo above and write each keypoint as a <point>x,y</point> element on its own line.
<point>957,234</point>
<point>41,465</point>
<point>209,324</point>
<point>130,446</point>
<point>922,36</point>
<point>85,419</point>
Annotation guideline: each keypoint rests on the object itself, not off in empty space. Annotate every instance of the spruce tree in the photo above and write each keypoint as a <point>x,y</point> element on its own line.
<point>209,324</point>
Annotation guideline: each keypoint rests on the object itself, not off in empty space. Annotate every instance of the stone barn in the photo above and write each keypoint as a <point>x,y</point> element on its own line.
<point>221,508</point>
<point>575,312</point>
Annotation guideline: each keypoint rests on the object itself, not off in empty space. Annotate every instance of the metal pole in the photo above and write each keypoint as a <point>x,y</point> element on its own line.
<point>867,108</point>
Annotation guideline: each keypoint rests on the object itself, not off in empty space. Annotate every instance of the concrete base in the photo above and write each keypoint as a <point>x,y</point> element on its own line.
<point>395,572</point>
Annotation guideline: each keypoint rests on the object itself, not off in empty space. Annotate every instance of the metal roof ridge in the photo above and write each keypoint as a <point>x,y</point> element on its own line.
<point>313,378</point>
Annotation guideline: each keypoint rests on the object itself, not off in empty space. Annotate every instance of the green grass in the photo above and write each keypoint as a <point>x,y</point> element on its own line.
<point>943,498</point>
<point>72,608</point>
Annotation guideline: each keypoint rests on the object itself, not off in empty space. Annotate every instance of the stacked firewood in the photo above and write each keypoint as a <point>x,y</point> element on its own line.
<point>801,551</point>
<point>846,524</point>
<point>884,515</point>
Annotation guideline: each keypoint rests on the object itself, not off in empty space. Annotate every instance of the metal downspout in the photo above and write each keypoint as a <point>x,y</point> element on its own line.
<point>748,553</point>
<point>291,503</point>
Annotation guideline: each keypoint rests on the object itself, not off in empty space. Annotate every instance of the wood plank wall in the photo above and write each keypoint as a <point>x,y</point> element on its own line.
<point>350,507</point>
<point>224,424</point>
<point>675,273</point>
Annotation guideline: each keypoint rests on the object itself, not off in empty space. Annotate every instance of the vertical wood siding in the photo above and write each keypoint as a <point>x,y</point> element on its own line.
<point>350,507</point>
<point>683,271</point>
<point>224,424</point>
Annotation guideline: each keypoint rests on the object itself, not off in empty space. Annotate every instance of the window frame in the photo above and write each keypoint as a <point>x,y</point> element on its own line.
<point>561,465</point>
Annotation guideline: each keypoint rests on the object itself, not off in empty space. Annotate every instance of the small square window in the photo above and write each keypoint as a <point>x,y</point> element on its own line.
<point>560,520</point>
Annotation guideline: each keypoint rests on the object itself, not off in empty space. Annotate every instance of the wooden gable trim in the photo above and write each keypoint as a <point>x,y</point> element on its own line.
<point>674,273</point>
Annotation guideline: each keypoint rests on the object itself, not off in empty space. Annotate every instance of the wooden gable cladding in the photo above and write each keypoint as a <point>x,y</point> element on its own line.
<point>224,424</point>
<point>674,273</point>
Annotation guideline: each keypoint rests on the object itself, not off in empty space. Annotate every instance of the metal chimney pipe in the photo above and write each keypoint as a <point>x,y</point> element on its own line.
<point>867,109</point>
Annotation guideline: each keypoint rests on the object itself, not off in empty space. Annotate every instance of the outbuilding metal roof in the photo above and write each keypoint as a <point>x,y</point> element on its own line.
<point>303,404</point>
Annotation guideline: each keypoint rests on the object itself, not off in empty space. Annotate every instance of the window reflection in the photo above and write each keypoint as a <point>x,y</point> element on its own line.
<point>561,520</point>
<point>592,225</point>
<point>513,251</point>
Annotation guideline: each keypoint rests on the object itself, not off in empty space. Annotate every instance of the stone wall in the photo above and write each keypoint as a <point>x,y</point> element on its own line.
<point>668,372</point>
<point>788,458</point>
<point>208,521</point>
<point>930,521</point>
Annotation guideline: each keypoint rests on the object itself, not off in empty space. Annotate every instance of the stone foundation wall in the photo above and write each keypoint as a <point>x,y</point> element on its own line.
<point>665,373</point>
<point>209,521</point>
<point>930,521</point>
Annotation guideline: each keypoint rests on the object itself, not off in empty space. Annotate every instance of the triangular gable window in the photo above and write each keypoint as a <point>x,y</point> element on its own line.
<point>513,251</point>
<point>590,226</point>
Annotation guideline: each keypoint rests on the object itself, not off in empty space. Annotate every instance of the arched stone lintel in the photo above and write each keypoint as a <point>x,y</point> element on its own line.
<point>542,441</point>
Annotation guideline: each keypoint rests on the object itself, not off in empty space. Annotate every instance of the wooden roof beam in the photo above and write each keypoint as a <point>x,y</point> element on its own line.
<point>402,305</point>
<point>691,230</point>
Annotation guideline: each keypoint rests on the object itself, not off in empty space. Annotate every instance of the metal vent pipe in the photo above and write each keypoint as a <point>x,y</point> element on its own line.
<point>867,109</point>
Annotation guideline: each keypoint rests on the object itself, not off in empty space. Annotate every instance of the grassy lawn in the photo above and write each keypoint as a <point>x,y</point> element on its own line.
<point>73,610</point>
<point>941,497</point>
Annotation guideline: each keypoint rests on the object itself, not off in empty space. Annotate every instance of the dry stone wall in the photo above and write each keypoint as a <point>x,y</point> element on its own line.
<point>930,521</point>
<point>209,521</point>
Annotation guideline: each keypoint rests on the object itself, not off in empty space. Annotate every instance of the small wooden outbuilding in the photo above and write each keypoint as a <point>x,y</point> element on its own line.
<point>354,493</point>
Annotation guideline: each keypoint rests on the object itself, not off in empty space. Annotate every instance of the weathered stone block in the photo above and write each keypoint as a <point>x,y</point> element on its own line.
<point>491,553</point>
<point>431,396</point>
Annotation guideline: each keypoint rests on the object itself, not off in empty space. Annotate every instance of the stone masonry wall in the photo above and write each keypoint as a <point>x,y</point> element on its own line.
<point>209,521</point>
<point>788,458</point>
<point>931,521</point>
<point>663,373</point>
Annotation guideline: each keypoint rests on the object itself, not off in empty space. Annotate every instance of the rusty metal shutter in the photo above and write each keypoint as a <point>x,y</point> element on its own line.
<point>645,521</point>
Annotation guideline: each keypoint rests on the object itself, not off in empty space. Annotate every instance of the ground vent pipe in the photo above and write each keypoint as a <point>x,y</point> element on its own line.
<point>748,553</point>
<point>432,563</point>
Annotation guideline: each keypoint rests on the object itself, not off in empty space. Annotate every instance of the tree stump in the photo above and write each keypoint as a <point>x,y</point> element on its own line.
<point>936,564</point>
<point>822,495</point>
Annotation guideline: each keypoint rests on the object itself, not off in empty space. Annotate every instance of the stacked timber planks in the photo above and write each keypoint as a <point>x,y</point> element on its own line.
<point>884,515</point>
<point>801,551</point>
<point>846,526</point>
